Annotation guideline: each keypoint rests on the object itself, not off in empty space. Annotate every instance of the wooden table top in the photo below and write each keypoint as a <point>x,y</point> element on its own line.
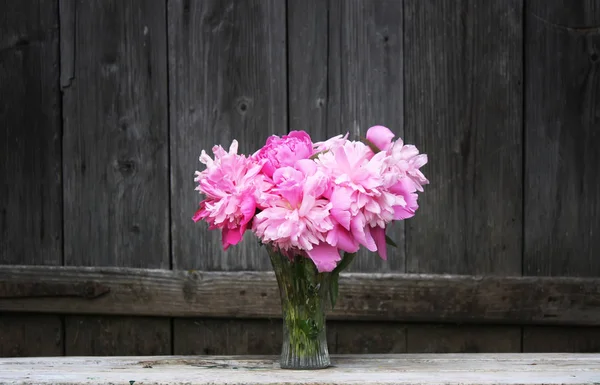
<point>423,369</point>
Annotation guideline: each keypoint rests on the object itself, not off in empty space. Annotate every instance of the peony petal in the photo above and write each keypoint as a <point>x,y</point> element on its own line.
<point>342,217</point>
<point>381,137</point>
<point>378,234</point>
<point>324,256</point>
<point>248,208</point>
<point>307,166</point>
<point>360,232</point>
<point>343,240</point>
<point>401,213</point>
<point>232,236</point>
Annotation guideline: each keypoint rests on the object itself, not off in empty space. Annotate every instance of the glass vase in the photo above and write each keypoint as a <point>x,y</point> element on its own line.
<point>304,298</point>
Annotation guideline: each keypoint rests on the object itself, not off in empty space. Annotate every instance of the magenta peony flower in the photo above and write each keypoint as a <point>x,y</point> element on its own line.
<point>233,186</point>
<point>285,151</point>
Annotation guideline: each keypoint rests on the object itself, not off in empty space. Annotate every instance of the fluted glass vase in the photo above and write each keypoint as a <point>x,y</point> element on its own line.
<point>304,300</point>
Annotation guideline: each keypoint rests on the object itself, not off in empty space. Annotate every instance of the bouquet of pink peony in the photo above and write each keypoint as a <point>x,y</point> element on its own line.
<point>314,202</point>
<point>314,199</point>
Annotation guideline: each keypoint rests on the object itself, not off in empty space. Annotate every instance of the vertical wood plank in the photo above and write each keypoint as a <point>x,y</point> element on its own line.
<point>115,135</point>
<point>310,104</point>
<point>30,161</point>
<point>30,335</point>
<point>30,148</point>
<point>116,180</point>
<point>345,75</point>
<point>227,77</point>
<point>561,339</point>
<point>463,107</point>
<point>562,163</point>
<point>463,339</point>
<point>463,92</point>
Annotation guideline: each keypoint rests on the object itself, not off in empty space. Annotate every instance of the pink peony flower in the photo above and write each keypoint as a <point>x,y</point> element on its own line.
<point>285,151</point>
<point>359,199</point>
<point>298,217</point>
<point>381,137</point>
<point>330,143</point>
<point>313,200</point>
<point>404,160</point>
<point>232,186</point>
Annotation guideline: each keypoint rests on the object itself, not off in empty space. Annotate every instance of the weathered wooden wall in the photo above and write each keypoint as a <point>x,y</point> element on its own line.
<point>105,106</point>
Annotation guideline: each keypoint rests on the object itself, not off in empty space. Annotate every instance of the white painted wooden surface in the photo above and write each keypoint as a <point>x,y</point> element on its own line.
<point>423,369</point>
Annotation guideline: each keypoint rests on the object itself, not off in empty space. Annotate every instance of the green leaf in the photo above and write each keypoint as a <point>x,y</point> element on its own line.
<point>345,262</point>
<point>316,155</point>
<point>333,288</point>
<point>371,145</point>
<point>309,328</point>
<point>390,242</point>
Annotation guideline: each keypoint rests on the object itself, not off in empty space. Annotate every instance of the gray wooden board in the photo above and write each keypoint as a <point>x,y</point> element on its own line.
<point>193,336</point>
<point>30,148</point>
<point>264,336</point>
<point>365,88</point>
<point>30,161</point>
<point>463,107</point>
<point>115,135</point>
<point>544,339</point>
<point>115,143</point>
<point>30,335</point>
<point>414,369</point>
<point>116,336</point>
<point>562,163</point>
<point>463,339</point>
<point>463,93</point>
<point>311,99</point>
<point>227,80</point>
<point>352,337</point>
<point>363,296</point>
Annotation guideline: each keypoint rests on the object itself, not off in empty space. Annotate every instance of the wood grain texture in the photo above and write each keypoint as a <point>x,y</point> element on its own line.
<point>562,163</point>
<point>463,93</point>
<point>30,161</point>
<point>352,337</point>
<point>227,337</point>
<point>546,339</point>
<point>365,88</point>
<point>116,183</point>
<point>115,135</point>
<point>264,336</point>
<point>308,73</point>
<point>562,191</point>
<point>397,297</point>
<point>414,369</point>
<point>463,339</point>
<point>227,77</point>
<point>30,335</point>
<point>30,147</point>
<point>116,336</point>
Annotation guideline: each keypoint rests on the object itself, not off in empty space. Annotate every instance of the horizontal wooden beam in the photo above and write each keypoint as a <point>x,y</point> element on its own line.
<point>391,297</point>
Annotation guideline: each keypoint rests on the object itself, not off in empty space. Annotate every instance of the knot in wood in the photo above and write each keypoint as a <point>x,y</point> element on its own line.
<point>243,105</point>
